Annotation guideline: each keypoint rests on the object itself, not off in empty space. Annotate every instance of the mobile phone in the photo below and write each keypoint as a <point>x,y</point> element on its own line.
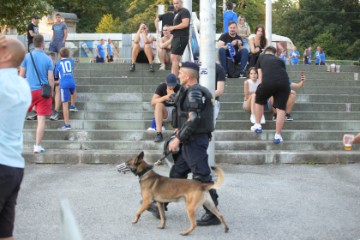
<point>302,76</point>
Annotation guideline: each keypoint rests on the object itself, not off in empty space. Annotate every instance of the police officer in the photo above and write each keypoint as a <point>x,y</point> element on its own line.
<point>193,122</point>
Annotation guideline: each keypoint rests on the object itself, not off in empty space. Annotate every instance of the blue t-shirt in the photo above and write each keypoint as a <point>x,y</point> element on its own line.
<point>283,57</point>
<point>64,71</point>
<point>110,52</point>
<point>43,64</point>
<point>317,57</point>
<point>229,15</point>
<point>322,57</point>
<point>58,29</point>
<point>101,50</point>
<point>294,57</point>
<point>15,98</point>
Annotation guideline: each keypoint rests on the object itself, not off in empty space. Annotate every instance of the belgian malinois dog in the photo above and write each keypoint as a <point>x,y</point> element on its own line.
<point>155,187</point>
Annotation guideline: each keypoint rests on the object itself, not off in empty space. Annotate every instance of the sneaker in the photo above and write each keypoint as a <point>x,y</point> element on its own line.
<point>158,138</point>
<point>132,67</point>
<point>151,68</point>
<point>242,75</point>
<point>65,127</point>
<point>256,129</point>
<point>288,117</point>
<point>73,108</point>
<point>162,67</point>
<point>32,116</point>
<point>208,219</point>
<point>54,116</point>
<point>263,121</point>
<point>151,129</point>
<point>278,139</point>
<point>274,117</point>
<point>38,149</point>
<point>252,118</point>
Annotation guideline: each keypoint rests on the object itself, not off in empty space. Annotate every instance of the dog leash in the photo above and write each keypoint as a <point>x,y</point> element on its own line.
<point>159,162</point>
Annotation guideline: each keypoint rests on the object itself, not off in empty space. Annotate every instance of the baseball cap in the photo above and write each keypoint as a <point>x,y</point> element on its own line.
<point>191,65</point>
<point>36,16</point>
<point>171,80</point>
<point>171,7</point>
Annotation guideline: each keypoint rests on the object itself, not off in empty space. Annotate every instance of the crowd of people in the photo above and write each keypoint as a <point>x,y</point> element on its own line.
<point>180,99</point>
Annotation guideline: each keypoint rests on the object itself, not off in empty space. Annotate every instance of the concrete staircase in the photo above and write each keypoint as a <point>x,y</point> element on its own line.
<point>115,111</point>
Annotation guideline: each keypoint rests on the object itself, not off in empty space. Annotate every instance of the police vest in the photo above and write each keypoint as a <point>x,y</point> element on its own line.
<point>205,111</point>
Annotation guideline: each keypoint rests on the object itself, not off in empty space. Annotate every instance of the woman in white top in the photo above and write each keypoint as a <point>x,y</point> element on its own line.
<point>250,87</point>
<point>244,31</point>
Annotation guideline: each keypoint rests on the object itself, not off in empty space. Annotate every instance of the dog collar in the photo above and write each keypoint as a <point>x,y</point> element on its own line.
<point>149,168</point>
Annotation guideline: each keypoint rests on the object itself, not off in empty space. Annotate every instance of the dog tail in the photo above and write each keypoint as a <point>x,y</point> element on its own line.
<point>220,177</point>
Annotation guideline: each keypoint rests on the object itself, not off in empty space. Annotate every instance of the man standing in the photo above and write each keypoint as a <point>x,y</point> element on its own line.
<point>163,101</point>
<point>274,81</point>
<point>166,19</point>
<point>229,15</point>
<point>15,99</point>
<point>180,31</point>
<point>38,67</point>
<point>193,126</point>
<point>110,57</point>
<point>59,35</point>
<point>32,30</point>
<point>230,47</point>
<point>100,52</point>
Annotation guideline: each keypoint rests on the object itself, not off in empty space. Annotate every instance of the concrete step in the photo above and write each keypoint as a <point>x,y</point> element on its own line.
<point>235,114</point>
<point>230,157</point>
<point>219,145</point>
<point>221,124</point>
<point>219,135</point>
<point>228,97</point>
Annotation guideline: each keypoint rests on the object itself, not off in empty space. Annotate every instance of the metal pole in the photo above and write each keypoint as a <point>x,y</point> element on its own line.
<point>268,23</point>
<point>186,56</point>
<point>207,56</point>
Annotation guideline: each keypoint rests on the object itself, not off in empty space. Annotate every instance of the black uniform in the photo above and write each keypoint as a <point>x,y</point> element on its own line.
<point>181,36</point>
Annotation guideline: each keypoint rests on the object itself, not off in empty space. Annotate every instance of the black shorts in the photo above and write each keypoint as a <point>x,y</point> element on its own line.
<point>178,45</point>
<point>141,57</point>
<point>100,59</point>
<point>110,58</point>
<point>10,180</point>
<point>279,90</point>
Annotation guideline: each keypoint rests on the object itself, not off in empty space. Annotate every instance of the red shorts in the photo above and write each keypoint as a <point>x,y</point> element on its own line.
<point>43,105</point>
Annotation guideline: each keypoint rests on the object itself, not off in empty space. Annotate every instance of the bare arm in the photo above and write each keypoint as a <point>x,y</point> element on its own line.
<point>156,23</point>
<point>157,99</point>
<point>22,72</point>
<point>166,43</point>
<point>299,84</point>
<point>222,44</point>
<point>51,78</point>
<point>357,139</point>
<point>260,75</point>
<point>246,90</point>
<point>65,35</point>
<point>219,88</point>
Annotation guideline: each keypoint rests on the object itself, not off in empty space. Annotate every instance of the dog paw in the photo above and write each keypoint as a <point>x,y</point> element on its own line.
<point>184,233</point>
<point>161,226</point>
<point>134,221</point>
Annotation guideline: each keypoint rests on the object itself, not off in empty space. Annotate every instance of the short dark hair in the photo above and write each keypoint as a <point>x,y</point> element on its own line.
<point>38,40</point>
<point>232,22</point>
<point>270,49</point>
<point>58,14</point>
<point>64,52</point>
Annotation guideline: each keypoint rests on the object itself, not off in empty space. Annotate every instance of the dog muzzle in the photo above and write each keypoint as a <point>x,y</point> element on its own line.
<point>122,168</point>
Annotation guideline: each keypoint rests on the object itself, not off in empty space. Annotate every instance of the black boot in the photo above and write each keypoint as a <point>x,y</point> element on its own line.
<point>209,218</point>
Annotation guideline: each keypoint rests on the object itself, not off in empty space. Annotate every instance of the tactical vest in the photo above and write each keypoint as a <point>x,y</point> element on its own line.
<point>205,112</point>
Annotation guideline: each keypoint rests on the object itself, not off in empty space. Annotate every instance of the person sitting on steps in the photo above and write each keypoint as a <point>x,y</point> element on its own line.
<point>142,51</point>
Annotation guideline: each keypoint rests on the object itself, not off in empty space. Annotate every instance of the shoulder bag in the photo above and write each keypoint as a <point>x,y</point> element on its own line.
<point>45,88</point>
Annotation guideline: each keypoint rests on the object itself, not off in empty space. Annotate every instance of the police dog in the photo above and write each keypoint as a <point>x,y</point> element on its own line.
<point>155,187</point>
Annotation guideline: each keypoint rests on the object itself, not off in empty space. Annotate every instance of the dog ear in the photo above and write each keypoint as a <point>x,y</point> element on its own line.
<point>139,157</point>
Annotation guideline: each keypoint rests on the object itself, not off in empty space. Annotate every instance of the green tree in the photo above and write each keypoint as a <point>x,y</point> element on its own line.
<point>108,24</point>
<point>321,19</point>
<point>19,13</point>
<point>253,11</point>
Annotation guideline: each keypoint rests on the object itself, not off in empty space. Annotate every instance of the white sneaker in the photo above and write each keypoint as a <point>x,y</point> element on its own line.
<point>38,149</point>
<point>252,118</point>
<point>162,66</point>
<point>151,129</point>
<point>256,128</point>
<point>263,121</point>
<point>278,139</point>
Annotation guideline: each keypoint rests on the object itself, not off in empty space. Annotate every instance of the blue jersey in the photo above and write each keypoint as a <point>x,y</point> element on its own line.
<point>110,52</point>
<point>64,71</point>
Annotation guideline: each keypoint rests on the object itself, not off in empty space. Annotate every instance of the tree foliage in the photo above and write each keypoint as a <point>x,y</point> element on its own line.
<point>334,26</point>
<point>108,24</point>
<point>13,15</point>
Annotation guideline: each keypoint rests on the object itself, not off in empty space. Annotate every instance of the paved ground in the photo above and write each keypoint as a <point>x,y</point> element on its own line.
<point>258,202</point>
